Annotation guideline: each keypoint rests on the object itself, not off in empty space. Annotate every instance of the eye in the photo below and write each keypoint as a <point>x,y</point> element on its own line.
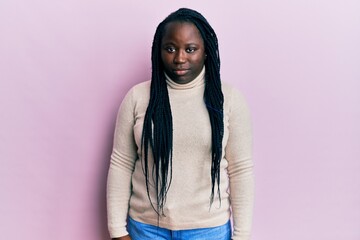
<point>170,49</point>
<point>190,50</point>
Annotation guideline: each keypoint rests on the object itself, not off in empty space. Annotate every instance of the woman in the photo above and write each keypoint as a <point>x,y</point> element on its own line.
<point>182,146</point>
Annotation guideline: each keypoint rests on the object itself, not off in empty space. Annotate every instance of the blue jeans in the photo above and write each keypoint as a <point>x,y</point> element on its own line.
<point>142,231</point>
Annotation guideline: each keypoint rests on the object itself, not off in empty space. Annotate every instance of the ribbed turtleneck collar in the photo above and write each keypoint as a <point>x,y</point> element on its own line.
<point>198,81</point>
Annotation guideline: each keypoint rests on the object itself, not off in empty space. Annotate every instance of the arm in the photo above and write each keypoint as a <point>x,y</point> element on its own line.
<point>239,154</point>
<point>120,171</point>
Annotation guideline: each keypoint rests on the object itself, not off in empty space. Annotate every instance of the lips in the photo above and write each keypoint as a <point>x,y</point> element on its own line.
<point>180,72</point>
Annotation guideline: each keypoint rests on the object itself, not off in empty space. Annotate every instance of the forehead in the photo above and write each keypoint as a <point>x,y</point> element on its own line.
<point>181,31</point>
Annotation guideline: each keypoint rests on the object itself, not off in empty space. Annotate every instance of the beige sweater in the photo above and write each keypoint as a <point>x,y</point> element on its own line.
<point>187,204</point>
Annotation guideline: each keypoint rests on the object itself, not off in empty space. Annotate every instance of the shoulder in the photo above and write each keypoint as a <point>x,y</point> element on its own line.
<point>137,95</point>
<point>140,88</point>
<point>235,103</point>
<point>232,95</point>
<point>138,91</point>
<point>236,107</point>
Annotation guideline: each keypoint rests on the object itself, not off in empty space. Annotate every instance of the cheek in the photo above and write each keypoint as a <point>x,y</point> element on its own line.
<point>162,58</point>
<point>200,59</point>
<point>165,59</point>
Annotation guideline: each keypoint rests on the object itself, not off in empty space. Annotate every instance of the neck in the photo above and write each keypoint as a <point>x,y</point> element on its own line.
<point>198,81</point>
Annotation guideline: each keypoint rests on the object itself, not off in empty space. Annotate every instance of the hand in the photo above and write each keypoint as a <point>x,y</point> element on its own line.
<point>127,237</point>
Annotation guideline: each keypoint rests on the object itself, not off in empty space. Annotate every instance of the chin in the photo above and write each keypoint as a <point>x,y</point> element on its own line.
<point>182,80</point>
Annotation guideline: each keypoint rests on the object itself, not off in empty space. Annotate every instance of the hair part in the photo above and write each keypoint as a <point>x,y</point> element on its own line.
<point>157,135</point>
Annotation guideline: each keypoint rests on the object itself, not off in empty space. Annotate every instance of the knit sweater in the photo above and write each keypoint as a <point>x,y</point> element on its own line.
<point>188,199</point>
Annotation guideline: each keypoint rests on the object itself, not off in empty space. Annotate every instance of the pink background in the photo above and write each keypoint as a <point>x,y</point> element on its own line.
<point>66,65</point>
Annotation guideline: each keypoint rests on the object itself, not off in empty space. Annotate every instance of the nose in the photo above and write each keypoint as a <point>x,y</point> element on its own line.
<point>180,57</point>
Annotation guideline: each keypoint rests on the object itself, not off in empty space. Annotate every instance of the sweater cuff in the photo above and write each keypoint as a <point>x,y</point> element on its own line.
<point>116,232</point>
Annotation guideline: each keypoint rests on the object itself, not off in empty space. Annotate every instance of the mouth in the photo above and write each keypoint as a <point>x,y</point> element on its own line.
<point>180,72</point>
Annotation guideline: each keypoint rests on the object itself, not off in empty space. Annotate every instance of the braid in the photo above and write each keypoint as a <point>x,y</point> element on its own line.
<point>157,129</point>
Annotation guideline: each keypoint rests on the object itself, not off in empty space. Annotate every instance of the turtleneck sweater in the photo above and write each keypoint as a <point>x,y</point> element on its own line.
<point>188,198</point>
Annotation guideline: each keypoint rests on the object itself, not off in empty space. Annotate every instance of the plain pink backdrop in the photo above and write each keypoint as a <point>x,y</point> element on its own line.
<point>66,65</point>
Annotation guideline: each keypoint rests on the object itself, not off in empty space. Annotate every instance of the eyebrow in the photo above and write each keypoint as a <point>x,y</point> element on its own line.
<point>172,43</point>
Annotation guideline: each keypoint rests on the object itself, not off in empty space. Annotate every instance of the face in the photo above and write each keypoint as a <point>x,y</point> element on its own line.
<point>182,51</point>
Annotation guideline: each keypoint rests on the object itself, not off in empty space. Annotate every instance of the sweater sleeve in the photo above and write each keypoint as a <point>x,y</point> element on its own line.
<point>238,152</point>
<point>122,163</point>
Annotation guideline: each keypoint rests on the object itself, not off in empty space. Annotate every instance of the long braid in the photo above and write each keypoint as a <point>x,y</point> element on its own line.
<point>157,129</point>
<point>214,101</point>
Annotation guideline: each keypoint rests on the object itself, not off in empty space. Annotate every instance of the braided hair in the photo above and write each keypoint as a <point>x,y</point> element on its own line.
<point>157,132</point>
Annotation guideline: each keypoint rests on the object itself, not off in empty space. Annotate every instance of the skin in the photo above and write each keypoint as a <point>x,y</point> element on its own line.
<point>127,237</point>
<point>182,51</point>
<point>182,55</point>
